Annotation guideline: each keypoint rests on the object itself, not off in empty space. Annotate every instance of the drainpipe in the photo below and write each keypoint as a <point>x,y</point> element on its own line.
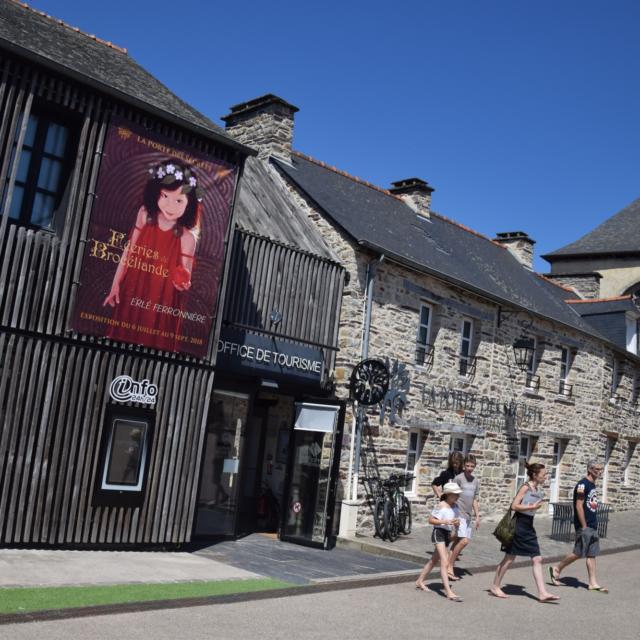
<point>356,434</point>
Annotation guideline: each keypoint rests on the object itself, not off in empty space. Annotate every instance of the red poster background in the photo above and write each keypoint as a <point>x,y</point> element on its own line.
<point>146,318</point>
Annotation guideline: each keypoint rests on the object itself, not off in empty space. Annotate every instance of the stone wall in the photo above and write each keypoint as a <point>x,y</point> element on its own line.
<point>474,405</point>
<point>586,285</point>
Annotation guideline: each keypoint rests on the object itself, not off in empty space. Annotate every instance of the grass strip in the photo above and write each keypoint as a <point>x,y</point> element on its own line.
<point>24,599</point>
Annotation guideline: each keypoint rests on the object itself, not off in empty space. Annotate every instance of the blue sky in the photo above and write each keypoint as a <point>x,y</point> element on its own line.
<point>522,115</point>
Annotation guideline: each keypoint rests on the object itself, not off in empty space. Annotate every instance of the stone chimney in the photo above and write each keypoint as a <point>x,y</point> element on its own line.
<point>265,123</point>
<point>586,285</point>
<point>520,245</point>
<point>416,193</point>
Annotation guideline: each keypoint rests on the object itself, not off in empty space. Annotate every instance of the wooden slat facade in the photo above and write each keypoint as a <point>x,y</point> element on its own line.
<point>54,382</point>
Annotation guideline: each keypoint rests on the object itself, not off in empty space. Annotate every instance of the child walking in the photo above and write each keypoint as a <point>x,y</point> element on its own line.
<point>444,518</point>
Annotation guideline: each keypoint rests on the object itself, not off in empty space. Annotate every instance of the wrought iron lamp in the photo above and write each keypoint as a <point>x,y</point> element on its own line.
<point>523,349</point>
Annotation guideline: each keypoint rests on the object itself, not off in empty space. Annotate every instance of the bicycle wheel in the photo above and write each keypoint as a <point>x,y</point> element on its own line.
<point>405,518</point>
<point>378,518</point>
<point>390,521</point>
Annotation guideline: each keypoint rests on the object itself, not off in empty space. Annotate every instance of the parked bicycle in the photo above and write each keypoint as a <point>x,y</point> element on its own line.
<point>391,508</point>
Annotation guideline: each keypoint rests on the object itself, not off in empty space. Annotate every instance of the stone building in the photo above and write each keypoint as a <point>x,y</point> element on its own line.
<point>605,262</point>
<point>444,306</point>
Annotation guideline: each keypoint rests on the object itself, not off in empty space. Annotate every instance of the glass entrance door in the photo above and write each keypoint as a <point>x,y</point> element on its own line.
<point>219,486</point>
<point>308,507</point>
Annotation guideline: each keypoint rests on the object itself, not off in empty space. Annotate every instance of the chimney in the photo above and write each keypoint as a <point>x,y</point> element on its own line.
<point>519,244</point>
<point>265,123</point>
<point>416,193</point>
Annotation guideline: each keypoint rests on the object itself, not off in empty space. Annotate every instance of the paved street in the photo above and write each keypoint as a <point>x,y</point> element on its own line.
<point>397,611</point>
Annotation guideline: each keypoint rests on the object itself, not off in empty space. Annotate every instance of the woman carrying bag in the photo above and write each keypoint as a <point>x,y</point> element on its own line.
<point>525,541</point>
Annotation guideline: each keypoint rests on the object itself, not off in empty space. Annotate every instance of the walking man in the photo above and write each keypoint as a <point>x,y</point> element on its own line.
<point>585,506</point>
<point>469,509</point>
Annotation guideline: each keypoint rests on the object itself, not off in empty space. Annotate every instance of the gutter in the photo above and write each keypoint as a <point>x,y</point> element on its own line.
<point>356,431</point>
<point>121,96</point>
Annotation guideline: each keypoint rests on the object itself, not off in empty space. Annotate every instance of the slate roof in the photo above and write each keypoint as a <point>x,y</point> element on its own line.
<point>264,206</point>
<point>604,305</point>
<point>618,234</point>
<point>382,222</point>
<point>55,44</point>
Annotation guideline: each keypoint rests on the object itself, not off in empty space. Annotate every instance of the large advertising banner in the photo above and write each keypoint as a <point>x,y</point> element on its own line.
<point>155,249</point>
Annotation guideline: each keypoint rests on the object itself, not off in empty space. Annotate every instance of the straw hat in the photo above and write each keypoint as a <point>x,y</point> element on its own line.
<point>451,487</point>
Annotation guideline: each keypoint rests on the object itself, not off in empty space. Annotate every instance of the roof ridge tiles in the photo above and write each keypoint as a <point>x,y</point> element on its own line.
<point>557,284</point>
<point>392,195</point>
<point>595,300</point>
<point>106,43</point>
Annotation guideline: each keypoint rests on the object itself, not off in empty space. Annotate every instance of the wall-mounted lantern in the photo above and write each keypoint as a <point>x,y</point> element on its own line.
<point>523,349</point>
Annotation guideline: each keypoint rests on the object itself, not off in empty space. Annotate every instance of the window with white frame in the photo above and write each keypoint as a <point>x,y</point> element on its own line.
<point>631,448</point>
<point>526,445</point>
<point>466,345</point>
<point>413,459</point>
<point>616,377</point>
<point>566,358</point>
<point>608,451</point>
<point>633,341</point>
<point>532,380</point>
<point>423,347</point>
<point>460,442</point>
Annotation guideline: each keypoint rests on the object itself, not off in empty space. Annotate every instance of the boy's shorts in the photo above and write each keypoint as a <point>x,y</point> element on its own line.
<point>465,529</point>
<point>587,543</point>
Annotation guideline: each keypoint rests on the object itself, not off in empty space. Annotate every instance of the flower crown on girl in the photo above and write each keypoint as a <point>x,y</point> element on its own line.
<point>168,173</point>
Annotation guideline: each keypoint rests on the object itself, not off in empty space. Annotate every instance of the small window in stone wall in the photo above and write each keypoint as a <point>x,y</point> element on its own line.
<point>635,391</point>
<point>413,459</point>
<point>424,348</point>
<point>616,378</point>
<point>631,449</point>
<point>566,360</point>
<point>532,379</point>
<point>461,443</point>
<point>466,348</point>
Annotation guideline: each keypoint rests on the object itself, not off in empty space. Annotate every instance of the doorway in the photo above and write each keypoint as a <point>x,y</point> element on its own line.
<point>559,447</point>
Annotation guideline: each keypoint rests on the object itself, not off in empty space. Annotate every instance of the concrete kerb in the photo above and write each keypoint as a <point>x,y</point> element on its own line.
<point>318,586</point>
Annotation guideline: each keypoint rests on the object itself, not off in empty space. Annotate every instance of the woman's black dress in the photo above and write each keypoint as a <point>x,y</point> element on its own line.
<point>525,540</point>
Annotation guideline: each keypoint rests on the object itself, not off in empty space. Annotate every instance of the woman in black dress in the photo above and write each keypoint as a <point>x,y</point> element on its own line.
<point>525,541</point>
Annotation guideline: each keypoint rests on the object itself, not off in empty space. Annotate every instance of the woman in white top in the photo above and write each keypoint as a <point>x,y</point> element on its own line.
<point>444,518</point>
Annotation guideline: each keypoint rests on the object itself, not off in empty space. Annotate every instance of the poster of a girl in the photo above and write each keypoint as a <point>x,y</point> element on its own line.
<point>444,519</point>
<point>153,277</point>
<point>528,500</point>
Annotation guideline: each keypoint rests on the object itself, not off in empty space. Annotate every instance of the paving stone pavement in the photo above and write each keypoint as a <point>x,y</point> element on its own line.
<point>302,565</point>
<point>484,549</point>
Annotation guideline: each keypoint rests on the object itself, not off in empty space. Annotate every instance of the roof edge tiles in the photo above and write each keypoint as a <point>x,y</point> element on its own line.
<point>107,43</point>
<point>596,300</point>
<point>386,192</point>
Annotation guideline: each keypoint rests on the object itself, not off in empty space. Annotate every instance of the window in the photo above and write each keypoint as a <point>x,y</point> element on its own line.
<point>635,392</point>
<point>631,447</point>
<point>608,450</point>
<point>423,348</point>
<point>466,344</point>
<point>413,457</point>
<point>461,443</point>
<point>565,366</point>
<point>633,343</point>
<point>525,450</point>
<point>44,165</point>
<point>126,444</point>
<point>616,376</point>
<point>532,380</point>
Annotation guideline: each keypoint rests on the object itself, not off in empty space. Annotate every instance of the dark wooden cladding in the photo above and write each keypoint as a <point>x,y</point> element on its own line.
<point>267,276</point>
<point>54,397</point>
<point>54,383</point>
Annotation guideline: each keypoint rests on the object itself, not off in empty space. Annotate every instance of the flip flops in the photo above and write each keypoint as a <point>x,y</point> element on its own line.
<point>552,577</point>
<point>455,598</point>
<point>599,589</point>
